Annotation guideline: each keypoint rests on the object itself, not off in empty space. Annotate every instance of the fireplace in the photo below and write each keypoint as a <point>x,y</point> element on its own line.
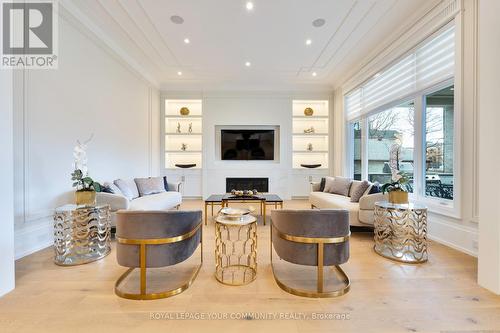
<point>259,184</point>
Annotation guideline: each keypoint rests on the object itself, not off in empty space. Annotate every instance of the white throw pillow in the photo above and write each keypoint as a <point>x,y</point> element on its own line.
<point>128,188</point>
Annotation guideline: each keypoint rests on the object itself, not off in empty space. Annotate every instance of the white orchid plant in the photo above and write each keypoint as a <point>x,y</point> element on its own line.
<point>80,177</point>
<point>399,182</point>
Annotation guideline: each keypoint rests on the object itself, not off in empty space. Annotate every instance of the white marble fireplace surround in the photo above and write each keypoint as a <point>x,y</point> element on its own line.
<point>256,110</point>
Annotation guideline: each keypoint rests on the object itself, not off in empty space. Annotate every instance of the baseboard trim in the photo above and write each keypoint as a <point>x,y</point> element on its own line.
<point>452,234</point>
<point>31,239</point>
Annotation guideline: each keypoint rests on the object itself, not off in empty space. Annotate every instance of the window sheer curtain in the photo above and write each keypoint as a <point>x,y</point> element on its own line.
<point>431,62</point>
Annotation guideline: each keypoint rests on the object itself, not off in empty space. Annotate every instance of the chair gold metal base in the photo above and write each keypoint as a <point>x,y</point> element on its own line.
<point>143,295</point>
<point>158,295</point>
<point>317,293</point>
<point>320,242</point>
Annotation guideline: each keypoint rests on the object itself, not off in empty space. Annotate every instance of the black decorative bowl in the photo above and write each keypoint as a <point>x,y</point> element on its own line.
<point>186,166</point>
<point>310,166</point>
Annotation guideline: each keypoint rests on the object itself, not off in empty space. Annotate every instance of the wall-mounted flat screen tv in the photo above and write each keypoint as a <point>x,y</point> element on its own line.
<point>247,144</point>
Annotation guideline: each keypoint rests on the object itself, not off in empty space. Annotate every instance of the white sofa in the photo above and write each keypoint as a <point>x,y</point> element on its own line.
<point>160,201</point>
<point>360,213</point>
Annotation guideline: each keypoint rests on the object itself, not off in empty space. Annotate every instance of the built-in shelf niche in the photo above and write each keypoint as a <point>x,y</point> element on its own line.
<point>310,148</point>
<point>178,133</point>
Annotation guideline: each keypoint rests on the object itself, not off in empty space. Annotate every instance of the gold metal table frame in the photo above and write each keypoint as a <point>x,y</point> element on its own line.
<point>81,234</point>
<point>320,243</point>
<point>236,251</point>
<point>401,232</point>
<point>143,243</point>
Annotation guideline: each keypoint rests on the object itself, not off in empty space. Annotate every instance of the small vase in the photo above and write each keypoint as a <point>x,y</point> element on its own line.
<point>398,197</point>
<point>87,198</point>
<point>184,111</point>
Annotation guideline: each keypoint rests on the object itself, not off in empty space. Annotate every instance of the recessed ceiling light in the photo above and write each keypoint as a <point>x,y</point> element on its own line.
<point>249,5</point>
<point>318,22</point>
<point>308,42</point>
<point>179,73</point>
<point>176,19</point>
<point>186,41</point>
<point>314,74</point>
<point>248,64</point>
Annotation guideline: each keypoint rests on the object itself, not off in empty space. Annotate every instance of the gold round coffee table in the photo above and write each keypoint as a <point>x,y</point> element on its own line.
<point>401,232</point>
<point>236,250</point>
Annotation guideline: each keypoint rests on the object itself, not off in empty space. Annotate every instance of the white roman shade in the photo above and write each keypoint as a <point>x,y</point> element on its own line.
<point>431,62</point>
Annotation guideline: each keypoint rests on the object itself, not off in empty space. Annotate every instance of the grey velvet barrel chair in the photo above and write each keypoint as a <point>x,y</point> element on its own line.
<point>313,238</point>
<point>152,239</point>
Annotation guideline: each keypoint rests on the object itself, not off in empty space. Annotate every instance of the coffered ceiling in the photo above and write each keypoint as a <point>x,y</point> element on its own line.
<point>223,35</point>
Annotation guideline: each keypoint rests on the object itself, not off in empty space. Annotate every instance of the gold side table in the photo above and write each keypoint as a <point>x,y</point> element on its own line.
<point>81,234</point>
<point>401,232</point>
<point>236,250</point>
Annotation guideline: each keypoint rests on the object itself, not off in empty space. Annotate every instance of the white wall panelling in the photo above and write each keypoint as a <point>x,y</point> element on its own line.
<point>90,92</point>
<point>7,272</point>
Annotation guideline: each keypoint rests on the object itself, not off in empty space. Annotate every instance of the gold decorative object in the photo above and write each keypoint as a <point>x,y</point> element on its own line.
<point>190,128</point>
<point>398,197</point>
<point>308,112</point>
<point>309,147</point>
<point>184,111</point>
<point>143,244</point>
<point>401,232</point>
<point>183,147</point>
<point>236,250</point>
<point>178,130</point>
<point>319,242</point>
<point>85,197</point>
<point>81,234</point>
<point>309,130</point>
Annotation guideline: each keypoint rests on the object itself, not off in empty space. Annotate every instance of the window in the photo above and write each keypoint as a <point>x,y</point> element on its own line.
<point>391,133</point>
<point>439,140</point>
<point>403,117</point>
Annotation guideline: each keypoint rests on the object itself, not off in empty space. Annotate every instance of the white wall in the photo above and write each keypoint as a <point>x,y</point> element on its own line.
<point>6,179</point>
<point>489,136</point>
<point>91,92</point>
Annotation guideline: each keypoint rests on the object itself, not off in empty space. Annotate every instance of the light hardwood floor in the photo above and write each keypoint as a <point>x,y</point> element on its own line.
<point>441,295</point>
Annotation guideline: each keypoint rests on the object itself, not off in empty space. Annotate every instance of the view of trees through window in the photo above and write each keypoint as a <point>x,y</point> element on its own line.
<point>439,143</point>
<point>394,130</point>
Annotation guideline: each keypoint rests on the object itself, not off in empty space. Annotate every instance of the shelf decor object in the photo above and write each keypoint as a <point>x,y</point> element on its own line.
<point>81,234</point>
<point>401,232</point>
<point>186,166</point>
<point>311,166</point>
<point>184,111</point>
<point>308,111</point>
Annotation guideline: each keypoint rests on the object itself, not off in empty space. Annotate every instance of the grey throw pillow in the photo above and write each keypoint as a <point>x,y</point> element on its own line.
<point>148,186</point>
<point>339,185</point>
<point>128,188</point>
<point>359,190</point>
<point>328,185</point>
